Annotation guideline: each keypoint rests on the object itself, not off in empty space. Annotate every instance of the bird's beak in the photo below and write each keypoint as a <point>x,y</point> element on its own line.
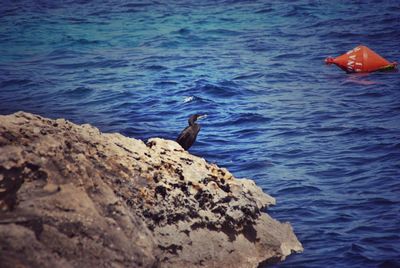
<point>202,116</point>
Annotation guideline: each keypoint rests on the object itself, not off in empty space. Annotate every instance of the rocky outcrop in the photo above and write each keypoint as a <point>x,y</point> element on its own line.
<point>71,196</point>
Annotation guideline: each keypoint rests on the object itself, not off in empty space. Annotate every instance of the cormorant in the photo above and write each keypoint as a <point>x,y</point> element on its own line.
<point>189,134</point>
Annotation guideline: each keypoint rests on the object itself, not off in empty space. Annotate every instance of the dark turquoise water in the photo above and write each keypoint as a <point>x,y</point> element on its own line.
<point>324,143</point>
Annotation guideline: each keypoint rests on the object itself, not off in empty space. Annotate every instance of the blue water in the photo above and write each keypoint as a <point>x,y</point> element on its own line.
<point>325,143</point>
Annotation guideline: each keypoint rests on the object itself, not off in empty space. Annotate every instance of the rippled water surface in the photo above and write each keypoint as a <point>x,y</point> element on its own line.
<point>324,143</point>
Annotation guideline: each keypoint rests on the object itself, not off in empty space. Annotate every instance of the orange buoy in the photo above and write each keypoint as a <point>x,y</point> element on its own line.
<point>361,60</point>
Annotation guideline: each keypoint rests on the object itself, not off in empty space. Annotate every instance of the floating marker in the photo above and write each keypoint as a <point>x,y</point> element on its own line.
<point>361,60</point>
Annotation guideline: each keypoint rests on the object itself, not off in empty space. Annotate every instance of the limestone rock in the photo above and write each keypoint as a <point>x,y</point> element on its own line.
<point>71,196</point>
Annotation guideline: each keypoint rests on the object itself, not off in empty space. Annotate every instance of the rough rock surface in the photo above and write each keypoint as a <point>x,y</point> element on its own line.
<point>71,196</point>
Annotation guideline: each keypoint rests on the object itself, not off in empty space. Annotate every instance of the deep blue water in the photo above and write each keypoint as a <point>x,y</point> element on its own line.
<point>325,143</point>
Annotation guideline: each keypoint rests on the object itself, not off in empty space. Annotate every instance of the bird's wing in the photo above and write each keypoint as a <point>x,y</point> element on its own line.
<point>188,136</point>
<point>184,134</point>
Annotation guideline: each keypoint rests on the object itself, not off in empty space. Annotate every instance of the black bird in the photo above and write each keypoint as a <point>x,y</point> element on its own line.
<point>189,134</point>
